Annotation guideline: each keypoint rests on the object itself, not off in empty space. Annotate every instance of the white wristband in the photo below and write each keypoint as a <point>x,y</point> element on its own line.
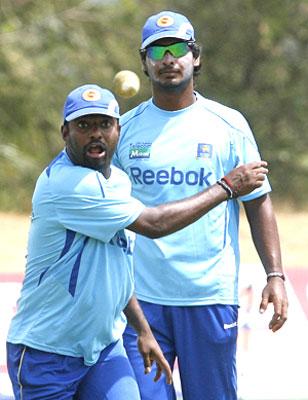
<point>275,274</point>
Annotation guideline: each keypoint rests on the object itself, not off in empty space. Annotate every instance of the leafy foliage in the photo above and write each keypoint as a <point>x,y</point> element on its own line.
<point>254,59</point>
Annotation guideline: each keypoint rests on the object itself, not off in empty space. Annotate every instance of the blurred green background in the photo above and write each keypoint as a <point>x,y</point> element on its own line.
<point>254,58</point>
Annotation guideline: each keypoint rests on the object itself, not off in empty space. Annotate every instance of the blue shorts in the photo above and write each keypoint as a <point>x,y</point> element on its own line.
<point>203,338</point>
<point>38,375</point>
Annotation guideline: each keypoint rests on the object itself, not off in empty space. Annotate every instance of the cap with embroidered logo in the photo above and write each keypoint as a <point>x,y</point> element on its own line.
<point>166,24</point>
<point>90,99</point>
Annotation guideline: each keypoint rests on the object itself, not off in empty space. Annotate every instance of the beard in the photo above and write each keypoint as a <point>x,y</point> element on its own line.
<point>173,85</point>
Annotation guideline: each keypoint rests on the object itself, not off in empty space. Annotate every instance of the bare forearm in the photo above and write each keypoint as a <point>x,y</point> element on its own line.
<point>170,217</point>
<point>135,316</point>
<point>265,236</point>
<point>264,232</point>
<point>147,344</point>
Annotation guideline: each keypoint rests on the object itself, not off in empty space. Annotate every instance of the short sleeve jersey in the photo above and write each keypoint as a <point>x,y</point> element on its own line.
<point>79,274</point>
<point>170,155</point>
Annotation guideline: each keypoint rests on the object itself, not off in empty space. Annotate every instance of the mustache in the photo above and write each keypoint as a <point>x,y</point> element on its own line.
<point>168,69</point>
<point>95,143</point>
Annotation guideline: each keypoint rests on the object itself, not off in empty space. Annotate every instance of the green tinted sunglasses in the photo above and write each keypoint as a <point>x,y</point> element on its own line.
<point>157,53</point>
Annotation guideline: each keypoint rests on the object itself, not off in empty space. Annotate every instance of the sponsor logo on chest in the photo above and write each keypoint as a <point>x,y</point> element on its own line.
<point>143,150</point>
<point>139,150</point>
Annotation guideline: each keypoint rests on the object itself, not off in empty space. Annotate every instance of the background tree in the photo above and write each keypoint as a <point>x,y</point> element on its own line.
<point>254,59</point>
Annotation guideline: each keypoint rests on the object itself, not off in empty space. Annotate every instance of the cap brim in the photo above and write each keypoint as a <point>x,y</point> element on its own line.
<point>89,111</point>
<point>167,34</point>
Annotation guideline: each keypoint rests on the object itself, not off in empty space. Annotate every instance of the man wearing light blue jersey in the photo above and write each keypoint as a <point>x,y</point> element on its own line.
<point>65,341</point>
<point>177,144</point>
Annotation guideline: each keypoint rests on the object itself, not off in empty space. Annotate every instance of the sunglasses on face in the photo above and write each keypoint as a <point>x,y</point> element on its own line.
<point>177,50</point>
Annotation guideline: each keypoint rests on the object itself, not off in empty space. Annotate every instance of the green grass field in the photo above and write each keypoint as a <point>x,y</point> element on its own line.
<point>293,228</point>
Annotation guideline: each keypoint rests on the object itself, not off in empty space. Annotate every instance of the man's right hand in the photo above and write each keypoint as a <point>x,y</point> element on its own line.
<point>245,178</point>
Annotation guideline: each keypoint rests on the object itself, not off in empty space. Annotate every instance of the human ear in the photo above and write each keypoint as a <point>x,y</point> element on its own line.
<point>197,61</point>
<point>64,131</point>
<point>144,65</point>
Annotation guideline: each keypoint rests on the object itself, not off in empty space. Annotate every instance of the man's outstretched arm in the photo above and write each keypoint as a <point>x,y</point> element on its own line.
<point>155,222</point>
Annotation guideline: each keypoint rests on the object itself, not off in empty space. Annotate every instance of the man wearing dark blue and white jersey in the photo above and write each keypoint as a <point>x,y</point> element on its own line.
<point>65,341</point>
<point>177,144</point>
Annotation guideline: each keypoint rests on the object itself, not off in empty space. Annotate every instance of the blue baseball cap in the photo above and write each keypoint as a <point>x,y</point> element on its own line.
<point>166,24</point>
<point>90,99</point>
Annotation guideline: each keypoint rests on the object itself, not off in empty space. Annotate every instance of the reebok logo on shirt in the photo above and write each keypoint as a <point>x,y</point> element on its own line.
<point>170,176</point>
<point>123,241</point>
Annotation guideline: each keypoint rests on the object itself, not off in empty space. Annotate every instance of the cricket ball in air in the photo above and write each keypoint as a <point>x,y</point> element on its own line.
<point>126,84</point>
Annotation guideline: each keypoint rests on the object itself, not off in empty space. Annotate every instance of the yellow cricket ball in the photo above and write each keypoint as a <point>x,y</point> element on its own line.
<point>126,84</point>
